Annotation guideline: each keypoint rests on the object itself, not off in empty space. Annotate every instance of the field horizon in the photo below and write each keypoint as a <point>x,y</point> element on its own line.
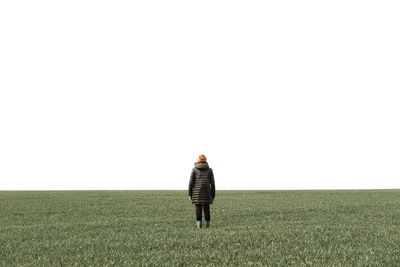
<point>355,227</point>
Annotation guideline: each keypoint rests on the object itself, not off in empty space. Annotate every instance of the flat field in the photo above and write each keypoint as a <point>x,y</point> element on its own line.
<point>157,228</point>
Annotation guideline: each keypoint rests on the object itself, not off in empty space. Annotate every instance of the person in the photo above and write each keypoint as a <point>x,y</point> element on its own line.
<point>202,190</point>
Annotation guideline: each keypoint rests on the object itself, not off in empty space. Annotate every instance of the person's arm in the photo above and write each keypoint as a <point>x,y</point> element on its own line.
<point>212,184</point>
<point>191,184</point>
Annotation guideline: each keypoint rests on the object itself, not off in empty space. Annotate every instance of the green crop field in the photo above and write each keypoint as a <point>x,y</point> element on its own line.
<point>157,228</point>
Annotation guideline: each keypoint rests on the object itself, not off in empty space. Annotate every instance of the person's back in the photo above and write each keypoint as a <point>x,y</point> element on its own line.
<point>202,189</point>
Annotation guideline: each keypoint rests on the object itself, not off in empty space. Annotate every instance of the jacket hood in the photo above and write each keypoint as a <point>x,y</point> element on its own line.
<point>201,165</point>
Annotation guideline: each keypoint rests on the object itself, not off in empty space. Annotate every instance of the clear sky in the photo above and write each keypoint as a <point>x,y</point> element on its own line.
<point>127,94</point>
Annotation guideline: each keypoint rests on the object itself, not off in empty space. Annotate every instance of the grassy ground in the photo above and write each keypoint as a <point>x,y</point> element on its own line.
<point>269,228</point>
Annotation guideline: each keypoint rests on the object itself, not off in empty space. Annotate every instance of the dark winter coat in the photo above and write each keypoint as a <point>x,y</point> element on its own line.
<point>202,184</point>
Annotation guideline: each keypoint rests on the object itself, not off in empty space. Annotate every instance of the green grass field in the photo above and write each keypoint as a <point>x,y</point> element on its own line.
<point>156,228</point>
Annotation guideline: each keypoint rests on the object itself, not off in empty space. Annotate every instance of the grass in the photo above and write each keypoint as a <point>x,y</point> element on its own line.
<point>156,228</point>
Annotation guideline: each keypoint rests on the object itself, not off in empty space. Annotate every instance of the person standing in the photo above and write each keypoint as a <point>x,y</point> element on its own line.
<point>202,190</point>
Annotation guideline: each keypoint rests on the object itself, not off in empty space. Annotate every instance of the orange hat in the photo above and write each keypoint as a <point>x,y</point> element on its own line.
<point>202,158</point>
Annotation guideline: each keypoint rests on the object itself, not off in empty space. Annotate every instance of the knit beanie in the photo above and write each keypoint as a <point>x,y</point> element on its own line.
<point>202,158</point>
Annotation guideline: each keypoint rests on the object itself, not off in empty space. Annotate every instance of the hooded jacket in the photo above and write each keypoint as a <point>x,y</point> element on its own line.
<point>202,184</point>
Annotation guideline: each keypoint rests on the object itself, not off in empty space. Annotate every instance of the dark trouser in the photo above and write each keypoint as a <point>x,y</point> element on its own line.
<point>206,208</point>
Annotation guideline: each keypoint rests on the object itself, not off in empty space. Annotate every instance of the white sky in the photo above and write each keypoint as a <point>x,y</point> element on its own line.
<point>126,94</point>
